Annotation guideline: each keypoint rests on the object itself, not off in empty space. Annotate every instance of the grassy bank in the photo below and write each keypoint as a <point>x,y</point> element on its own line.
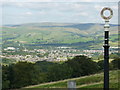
<point>91,81</point>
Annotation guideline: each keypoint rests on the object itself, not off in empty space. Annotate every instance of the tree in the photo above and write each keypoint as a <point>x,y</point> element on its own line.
<point>59,72</point>
<point>116,63</point>
<point>8,61</point>
<point>5,80</point>
<point>101,64</point>
<point>23,74</point>
<point>114,55</point>
<point>82,65</point>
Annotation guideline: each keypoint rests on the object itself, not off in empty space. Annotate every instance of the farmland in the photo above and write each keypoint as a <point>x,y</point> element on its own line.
<point>58,34</point>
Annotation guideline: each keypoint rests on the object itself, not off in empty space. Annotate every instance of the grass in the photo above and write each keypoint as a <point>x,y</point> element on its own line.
<point>100,85</point>
<point>91,81</point>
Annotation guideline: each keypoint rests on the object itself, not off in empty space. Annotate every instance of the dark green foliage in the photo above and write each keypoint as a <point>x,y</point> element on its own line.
<point>82,65</point>
<point>23,73</point>
<point>5,80</point>
<point>44,65</point>
<point>101,64</point>
<point>8,61</point>
<point>114,55</point>
<point>59,72</point>
<point>116,63</point>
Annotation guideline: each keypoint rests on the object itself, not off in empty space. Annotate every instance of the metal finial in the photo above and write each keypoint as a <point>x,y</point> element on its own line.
<point>106,17</point>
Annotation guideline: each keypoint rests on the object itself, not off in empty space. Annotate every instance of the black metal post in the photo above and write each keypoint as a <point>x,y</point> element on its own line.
<point>106,46</point>
<point>106,61</point>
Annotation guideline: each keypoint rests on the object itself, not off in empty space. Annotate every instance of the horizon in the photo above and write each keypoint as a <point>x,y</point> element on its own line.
<point>57,23</point>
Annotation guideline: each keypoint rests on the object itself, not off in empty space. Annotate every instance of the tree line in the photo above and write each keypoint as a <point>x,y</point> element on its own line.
<point>24,74</point>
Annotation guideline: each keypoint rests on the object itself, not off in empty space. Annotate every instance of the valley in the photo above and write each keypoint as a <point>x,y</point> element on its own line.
<point>58,34</point>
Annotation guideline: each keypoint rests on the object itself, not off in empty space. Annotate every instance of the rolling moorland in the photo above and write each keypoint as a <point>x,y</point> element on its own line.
<point>42,35</point>
<point>78,35</point>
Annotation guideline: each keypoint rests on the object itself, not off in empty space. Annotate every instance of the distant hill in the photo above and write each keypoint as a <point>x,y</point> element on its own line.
<point>80,35</point>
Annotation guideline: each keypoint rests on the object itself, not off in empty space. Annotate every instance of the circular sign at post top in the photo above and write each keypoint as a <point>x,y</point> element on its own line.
<point>106,17</point>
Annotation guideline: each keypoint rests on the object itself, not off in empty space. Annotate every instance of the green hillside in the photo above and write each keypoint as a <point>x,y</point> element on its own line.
<point>92,81</point>
<point>59,34</point>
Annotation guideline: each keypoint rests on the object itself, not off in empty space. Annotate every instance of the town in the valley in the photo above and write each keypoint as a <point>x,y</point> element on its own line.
<point>57,54</point>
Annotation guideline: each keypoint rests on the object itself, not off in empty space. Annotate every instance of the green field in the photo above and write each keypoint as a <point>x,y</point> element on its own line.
<point>60,33</point>
<point>92,81</point>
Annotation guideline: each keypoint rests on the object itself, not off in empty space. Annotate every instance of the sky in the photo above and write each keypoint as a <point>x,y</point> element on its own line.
<point>37,11</point>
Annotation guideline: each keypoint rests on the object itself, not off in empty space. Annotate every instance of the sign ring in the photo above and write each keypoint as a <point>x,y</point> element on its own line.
<point>108,17</point>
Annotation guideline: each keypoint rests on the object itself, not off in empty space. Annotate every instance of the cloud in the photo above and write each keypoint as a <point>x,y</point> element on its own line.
<point>77,6</point>
<point>82,14</point>
<point>114,7</point>
<point>59,0</point>
<point>28,13</point>
<point>41,13</point>
<point>98,7</point>
<point>48,6</point>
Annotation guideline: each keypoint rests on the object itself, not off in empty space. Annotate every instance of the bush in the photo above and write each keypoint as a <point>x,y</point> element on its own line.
<point>82,65</point>
<point>116,63</point>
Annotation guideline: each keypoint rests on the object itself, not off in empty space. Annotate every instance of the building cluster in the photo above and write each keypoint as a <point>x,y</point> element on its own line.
<point>56,54</point>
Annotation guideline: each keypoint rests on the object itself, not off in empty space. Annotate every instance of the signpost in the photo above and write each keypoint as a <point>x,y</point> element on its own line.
<point>106,46</point>
<point>71,85</point>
